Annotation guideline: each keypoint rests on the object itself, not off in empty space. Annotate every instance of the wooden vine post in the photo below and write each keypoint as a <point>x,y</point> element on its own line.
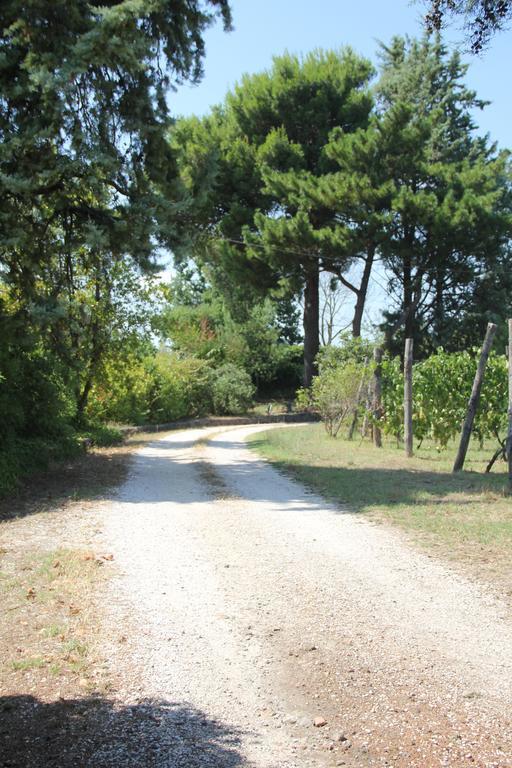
<point>474,399</point>
<point>377,396</point>
<point>359,398</point>
<point>509,436</point>
<point>408,435</point>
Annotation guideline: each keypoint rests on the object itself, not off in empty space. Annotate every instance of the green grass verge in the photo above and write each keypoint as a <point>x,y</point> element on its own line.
<point>419,494</point>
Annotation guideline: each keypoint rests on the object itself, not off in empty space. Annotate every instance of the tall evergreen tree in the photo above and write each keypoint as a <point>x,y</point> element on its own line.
<point>449,207</point>
<point>266,149</point>
<point>88,184</point>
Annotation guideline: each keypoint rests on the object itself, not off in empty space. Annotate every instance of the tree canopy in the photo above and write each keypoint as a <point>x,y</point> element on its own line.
<point>250,163</point>
<point>481,18</point>
<point>449,210</point>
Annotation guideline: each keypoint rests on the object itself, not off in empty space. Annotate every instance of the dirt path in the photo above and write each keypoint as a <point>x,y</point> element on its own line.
<point>245,607</point>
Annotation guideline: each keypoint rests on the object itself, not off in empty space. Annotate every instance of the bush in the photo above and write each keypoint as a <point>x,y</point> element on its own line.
<point>232,390</point>
<point>334,392</point>
<point>180,388</point>
<point>20,457</point>
<point>122,394</point>
<point>287,373</point>
<point>102,435</point>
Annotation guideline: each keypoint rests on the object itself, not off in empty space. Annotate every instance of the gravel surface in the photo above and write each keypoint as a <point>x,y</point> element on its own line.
<point>258,626</point>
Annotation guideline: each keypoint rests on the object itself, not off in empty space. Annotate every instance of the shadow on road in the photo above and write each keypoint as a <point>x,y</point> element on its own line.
<point>97,733</point>
<point>162,473</point>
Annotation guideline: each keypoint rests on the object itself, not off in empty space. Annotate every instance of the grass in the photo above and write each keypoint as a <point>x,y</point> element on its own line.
<point>466,513</point>
<point>261,408</point>
<point>24,665</point>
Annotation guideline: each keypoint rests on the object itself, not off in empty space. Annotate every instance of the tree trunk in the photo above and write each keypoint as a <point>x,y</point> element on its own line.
<point>474,399</point>
<point>362,291</point>
<point>439,315</point>
<point>409,309</point>
<point>96,352</point>
<point>311,324</point>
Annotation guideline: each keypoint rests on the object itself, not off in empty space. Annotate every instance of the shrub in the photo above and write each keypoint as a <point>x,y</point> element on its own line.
<point>287,373</point>
<point>334,392</point>
<point>20,457</point>
<point>232,390</point>
<point>102,435</point>
<point>180,388</point>
<point>122,394</point>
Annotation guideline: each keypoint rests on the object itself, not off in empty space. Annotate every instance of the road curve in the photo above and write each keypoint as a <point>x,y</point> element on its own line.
<point>247,607</point>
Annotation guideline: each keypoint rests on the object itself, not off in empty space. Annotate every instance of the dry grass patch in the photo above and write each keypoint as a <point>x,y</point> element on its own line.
<point>50,580</point>
<point>49,630</point>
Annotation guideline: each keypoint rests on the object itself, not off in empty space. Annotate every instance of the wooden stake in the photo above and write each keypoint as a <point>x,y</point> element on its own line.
<point>474,399</point>
<point>509,436</point>
<point>359,397</point>
<point>377,396</point>
<point>408,436</point>
<point>368,403</point>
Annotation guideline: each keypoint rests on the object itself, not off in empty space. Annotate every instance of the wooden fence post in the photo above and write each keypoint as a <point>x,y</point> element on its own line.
<point>359,397</point>
<point>474,399</point>
<point>377,396</point>
<point>408,436</point>
<point>509,436</point>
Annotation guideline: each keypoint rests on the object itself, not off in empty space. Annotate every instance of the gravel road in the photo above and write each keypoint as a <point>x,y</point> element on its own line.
<point>245,608</point>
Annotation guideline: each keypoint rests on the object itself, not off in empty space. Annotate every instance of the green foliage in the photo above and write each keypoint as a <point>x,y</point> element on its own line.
<point>334,392</point>
<point>253,167</point>
<point>122,393</point>
<point>349,349</point>
<point>180,388</point>
<point>286,373</point>
<point>102,435</point>
<point>20,457</point>
<point>447,206</point>
<point>441,389</point>
<point>88,192</point>
<point>232,390</point>
<point>482,18</point>
<point>202,325</point>
<point>393,396</point>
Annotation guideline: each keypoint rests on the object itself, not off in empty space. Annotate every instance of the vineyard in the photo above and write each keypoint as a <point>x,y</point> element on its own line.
<point>344,395</point>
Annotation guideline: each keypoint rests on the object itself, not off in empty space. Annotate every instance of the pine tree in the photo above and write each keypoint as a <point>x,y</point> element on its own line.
<point>449,208</point>
<point>256,218</point>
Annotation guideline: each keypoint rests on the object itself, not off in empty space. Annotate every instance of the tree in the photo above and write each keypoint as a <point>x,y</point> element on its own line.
<point>482,18</point>
<point>200,324</point>
<point>88,184</point>
<point>449,206</point>
<point>358,195</point>
<point>83,117</point>
<point>250,166</point>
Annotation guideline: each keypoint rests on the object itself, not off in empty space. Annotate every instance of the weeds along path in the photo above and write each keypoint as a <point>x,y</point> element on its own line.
<point>246,598</point>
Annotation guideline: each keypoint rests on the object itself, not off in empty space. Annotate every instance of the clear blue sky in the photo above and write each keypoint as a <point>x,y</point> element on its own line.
<point>264,28</point>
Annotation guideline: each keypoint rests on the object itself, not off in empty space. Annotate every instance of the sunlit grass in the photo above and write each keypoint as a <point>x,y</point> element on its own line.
<point>420,494</point>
